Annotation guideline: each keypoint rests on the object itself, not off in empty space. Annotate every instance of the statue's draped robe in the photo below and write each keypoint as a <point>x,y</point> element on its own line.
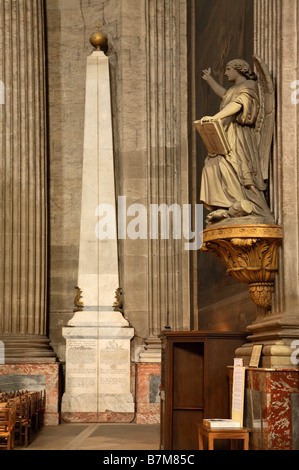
<point>237,176</point>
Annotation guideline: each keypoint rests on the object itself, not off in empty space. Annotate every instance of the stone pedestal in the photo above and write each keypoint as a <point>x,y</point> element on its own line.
<point>98,384</point>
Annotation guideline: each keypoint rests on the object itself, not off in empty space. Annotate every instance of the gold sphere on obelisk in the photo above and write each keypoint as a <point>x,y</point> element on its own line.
<point>99,40</point>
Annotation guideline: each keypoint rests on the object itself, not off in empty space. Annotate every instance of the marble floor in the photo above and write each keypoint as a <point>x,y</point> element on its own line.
<point>94,436</point>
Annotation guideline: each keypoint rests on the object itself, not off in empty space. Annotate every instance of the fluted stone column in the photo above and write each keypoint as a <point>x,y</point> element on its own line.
<point>23,202</point>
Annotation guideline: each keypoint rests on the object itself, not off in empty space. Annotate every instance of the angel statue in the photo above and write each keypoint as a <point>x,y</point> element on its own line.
<point>233,184</point>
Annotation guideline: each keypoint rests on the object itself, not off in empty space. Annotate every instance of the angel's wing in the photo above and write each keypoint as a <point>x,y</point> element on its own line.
<point>265,121</point>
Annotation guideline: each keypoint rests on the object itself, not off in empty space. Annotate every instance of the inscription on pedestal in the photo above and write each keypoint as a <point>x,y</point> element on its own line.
<point>114,377</point>
<point>82,366</point>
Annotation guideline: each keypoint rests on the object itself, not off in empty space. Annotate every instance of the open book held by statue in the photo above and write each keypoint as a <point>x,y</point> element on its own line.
<point>238,141</point>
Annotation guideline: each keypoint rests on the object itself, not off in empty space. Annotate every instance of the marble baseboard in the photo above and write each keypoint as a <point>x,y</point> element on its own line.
<point>108,417</point>
<point>48,379</point>
<point>148,414</point>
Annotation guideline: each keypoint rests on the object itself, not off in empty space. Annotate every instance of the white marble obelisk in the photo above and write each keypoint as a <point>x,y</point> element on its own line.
<point>98,337</point>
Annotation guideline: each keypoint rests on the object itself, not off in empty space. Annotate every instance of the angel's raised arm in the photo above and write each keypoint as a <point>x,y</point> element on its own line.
<point>218,89</point>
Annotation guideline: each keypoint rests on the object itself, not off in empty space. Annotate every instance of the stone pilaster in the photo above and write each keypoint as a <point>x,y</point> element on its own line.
<point>23,206</point>
<point>167,149</point>
<point>276,41</point>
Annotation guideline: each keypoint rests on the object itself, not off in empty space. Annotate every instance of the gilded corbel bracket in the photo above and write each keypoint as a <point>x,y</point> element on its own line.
<point>250,254</point>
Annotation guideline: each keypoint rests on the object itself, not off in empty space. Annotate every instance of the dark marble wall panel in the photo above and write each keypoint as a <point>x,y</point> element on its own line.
<point>11,383</point>
<point>154,384</point>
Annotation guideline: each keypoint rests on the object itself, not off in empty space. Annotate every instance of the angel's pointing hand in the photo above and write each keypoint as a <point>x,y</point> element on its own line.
<point>207,73</point>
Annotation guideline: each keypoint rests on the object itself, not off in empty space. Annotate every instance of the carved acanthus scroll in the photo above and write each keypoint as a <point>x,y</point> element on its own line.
<point>118,303</point>
<point>78,304</point>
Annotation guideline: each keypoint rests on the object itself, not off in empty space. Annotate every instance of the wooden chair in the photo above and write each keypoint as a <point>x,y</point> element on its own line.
<point>23,422</point>
<point>34,405</point>
<point>12,404</point>
<point>6,428</point>
<point>41,408</point>
<point>3,397</point>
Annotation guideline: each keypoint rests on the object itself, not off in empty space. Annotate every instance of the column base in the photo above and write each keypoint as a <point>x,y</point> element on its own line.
<point>152,351</point>
<point>27,349</point>
<point>273,356</point>
<point>279,335</point>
